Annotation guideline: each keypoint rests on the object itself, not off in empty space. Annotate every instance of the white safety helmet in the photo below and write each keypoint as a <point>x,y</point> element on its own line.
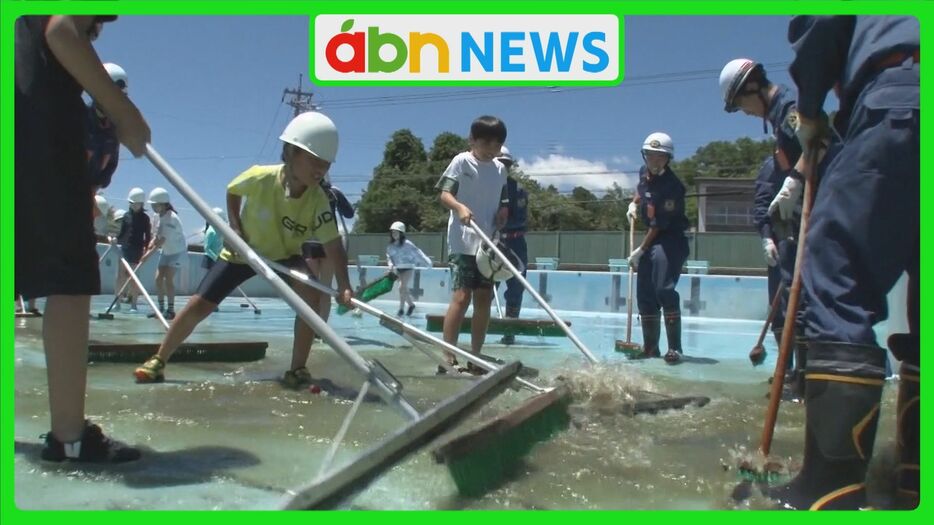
<point>660,142</point>
<point>733,77</point>
<point>313,132</point>
<point>136,196</point>
<point>118,214</point>
<point>398,226</point>
<point>505,157</point>
<point>492,267</point>
<point>102,206</point>
<point>117,74</point>
<point>221,212</point>
<point>158,196</point>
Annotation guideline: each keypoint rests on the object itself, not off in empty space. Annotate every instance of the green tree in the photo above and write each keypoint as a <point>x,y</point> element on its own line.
<point>403,186</point>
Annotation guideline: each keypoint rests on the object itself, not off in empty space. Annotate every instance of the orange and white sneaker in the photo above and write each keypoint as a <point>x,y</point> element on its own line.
<point>152,371</point>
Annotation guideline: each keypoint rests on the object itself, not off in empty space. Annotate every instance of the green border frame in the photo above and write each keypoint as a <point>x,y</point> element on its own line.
<point>11,9</point>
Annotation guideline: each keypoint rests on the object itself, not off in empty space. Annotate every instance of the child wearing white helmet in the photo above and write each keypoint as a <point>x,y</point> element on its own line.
<point>285,206</point>
<point>134,237</point>
<point>170,238</point>
<point>403,257</point>
<point>473,187</point>
<point>659,204</point>
<point>103,215</point>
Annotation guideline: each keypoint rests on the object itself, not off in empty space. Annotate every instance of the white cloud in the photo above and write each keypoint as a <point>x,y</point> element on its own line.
<point>567,172</point>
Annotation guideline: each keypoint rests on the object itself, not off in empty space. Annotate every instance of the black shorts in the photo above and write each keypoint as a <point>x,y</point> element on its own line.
<point>132,254</point>
<point>313,250</point>
<point>224,277</point>
<point>208,262</point>
<point>55,248</point>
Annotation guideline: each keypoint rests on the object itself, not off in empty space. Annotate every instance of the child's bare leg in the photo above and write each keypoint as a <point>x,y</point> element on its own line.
<point>460,301</point>
<point>481,318</point>
<point>65,337</point>
<point>304,336</point>
<point>168,282</point>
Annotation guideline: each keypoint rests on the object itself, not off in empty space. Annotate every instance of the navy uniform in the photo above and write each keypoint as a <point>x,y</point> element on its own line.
<point>863,233</point>
<point>103,147</point>
<point>660,201</point>
<point>513,234</point>
<point>740,79</point>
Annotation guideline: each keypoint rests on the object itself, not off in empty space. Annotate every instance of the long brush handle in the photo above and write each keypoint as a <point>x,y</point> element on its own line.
<point>246,298</point>
<point>146,295</point>
<point>632,242</point>
<point>390,321</point>
<point>327,334</point>
<point>125,284</point>
<point>775,393</point>
<point>515,273</point>
<point>771,317</point>
<point>101,259</point>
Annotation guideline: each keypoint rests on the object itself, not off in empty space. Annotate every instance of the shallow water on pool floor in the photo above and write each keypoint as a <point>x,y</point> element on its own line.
<point>229,436</point>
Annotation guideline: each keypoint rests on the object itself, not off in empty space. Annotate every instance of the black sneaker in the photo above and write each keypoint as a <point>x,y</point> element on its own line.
<point>508,339</point>
<point>93,447</point>
<point>400,312</point>
<point>410,310</point>
<point>673,357</point>
<point>170,314</point>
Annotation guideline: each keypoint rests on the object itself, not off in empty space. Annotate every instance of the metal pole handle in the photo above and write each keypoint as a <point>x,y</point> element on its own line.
<point>392,396</point>
<point>515,273</point>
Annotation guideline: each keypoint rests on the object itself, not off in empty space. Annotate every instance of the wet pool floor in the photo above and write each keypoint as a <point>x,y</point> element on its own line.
<point>230,436</point>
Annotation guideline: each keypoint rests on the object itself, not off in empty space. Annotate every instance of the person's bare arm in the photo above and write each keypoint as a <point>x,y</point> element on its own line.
<point>334,251</point>
<point>449,201</point>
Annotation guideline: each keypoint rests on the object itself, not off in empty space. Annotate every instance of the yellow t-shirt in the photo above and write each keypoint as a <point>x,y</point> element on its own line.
<point>275,224</point>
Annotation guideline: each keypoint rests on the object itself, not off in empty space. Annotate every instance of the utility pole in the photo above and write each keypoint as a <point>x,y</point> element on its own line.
<point>298,99</point>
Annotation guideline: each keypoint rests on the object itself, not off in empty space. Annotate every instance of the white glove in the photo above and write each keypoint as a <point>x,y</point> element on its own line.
<point>634,257</point>
<point>770,251</point>
<point>632,213</point>
<point>787,198</point>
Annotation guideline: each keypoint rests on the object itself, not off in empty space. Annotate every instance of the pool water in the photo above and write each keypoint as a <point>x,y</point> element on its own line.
<point>230,436</point>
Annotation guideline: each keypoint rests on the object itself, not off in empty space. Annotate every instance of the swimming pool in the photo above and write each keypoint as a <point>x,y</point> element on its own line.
<point>229,436</point>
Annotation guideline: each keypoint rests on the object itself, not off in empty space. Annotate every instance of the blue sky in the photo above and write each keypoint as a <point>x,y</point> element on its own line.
<point>211,89</point>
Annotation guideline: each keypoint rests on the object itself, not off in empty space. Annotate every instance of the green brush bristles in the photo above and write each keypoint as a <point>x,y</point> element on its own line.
<point>628,349</point>
<point>484,469</point>
<point>379,287</point>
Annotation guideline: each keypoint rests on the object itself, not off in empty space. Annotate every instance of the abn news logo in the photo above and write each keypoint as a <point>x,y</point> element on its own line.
<point>459,48</point>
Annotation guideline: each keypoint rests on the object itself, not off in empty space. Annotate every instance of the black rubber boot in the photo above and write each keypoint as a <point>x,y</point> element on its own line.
<point>651,332</point>
<point>844,389</point>
<point>908,472</point>
<point>673,331</point>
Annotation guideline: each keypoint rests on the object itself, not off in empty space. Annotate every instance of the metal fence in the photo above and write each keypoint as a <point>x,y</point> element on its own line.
<point>721,250</point>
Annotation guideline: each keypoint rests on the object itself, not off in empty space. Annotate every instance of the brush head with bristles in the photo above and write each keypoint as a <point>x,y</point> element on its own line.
<point>757,355</point>
<point>630,349</point>
<point>481,460</point>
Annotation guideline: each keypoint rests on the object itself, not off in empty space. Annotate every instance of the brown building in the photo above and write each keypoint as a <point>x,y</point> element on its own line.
<point>724,204</point>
